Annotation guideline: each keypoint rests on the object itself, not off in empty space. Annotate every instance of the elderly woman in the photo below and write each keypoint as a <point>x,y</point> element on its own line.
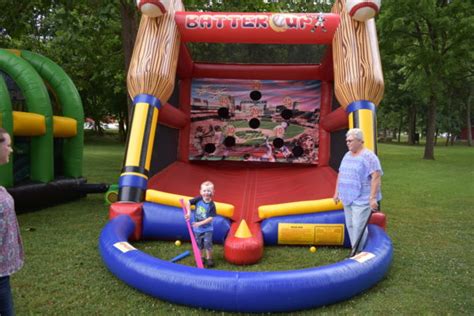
<point>11,250</point>
<point>358,186</point>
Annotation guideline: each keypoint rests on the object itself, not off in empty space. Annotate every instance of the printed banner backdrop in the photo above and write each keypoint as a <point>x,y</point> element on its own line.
<point>255,120</point>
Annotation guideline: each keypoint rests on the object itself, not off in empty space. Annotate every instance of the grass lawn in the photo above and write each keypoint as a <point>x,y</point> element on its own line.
<point>430,211</point>
<point>290,132</point>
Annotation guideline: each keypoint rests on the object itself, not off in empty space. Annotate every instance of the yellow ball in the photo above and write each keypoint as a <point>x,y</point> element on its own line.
<point>312,249</point>
<point>177,243</point>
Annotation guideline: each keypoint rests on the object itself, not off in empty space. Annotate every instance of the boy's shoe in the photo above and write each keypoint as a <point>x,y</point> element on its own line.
<point>209,263</point>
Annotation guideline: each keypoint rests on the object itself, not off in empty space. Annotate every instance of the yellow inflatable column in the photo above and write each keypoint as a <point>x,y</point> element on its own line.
<point>134,178</point>
<point>358,78</point>
<point>150,82</point>
<point>362,115</point>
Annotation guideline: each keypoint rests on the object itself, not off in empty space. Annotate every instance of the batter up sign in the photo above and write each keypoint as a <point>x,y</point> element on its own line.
<point>303,28</point>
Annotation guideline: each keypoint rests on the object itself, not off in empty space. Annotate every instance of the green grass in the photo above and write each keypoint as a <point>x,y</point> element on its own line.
<point>430,213</point>
<point>290,132</point>
<point>430,210</point>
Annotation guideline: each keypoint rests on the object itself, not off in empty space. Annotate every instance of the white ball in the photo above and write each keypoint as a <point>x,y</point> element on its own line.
<point>279,20</point>
<point>151,8</point>
<point>363,10</point>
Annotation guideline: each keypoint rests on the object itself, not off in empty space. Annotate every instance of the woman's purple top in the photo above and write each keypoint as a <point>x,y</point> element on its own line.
<point>11,248</point>
<point>355,177</point>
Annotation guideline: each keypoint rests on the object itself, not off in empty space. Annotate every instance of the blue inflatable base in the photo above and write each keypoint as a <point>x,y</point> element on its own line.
<point>281,291</point>
<point>165,222</point>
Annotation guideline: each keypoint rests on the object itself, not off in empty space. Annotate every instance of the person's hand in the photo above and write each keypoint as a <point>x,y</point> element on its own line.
<point>373,204</point>
<point>186,217</point>
<point>336,198</point>
<point>197,224</point>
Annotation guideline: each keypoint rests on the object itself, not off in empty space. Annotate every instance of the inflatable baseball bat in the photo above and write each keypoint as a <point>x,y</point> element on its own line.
<point>180,256</point>
<point>197,253</point>
<point>150,82</point>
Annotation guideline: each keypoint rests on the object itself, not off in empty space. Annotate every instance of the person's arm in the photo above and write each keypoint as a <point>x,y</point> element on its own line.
<point>336,193</point>
<point>188,207</point>
<point>188,210</point>
<point>374,189</point>
<point>203,222</point>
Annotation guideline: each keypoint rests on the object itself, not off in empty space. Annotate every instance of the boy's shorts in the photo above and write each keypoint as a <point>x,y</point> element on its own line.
<point>204,240</point>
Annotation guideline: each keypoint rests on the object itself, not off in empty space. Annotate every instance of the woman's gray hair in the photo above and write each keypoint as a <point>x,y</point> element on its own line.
<point>356,133</point>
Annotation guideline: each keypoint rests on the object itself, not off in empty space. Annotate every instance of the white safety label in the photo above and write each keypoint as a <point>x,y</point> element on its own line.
<point>124,246</point>
<point>363,256</point>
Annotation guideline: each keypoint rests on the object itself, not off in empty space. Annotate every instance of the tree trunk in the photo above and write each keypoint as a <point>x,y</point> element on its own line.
<point>123,122</point>
<point>430,128</point>
<point>128,13</point>
<point>98,127</point>
<point>400,127</point>
<point>468,118</point>
<point>411,124</point>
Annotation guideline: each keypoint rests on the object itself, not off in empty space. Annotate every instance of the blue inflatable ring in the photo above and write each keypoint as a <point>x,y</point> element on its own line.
<point>280,291</point>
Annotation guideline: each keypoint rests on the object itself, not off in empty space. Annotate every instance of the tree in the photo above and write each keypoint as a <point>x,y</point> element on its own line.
<point>83,37</point>
<point>468,115</point>
<point>129,21</point>
<point>426,39</point>
<point>87,44</point>
<point>401,103</point>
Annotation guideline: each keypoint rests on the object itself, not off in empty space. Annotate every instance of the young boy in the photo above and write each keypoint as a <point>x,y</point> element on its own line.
<point>201,219</point>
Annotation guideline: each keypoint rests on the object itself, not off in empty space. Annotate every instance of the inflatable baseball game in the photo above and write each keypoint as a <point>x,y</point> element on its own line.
<point>264,134</point>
